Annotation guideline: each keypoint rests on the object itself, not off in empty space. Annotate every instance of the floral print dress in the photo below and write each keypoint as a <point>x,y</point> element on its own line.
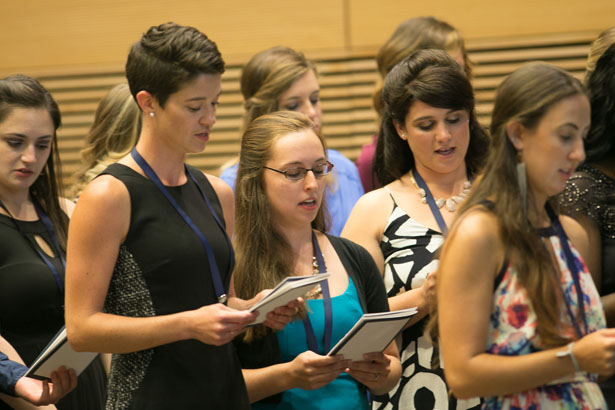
<point>512,331</point>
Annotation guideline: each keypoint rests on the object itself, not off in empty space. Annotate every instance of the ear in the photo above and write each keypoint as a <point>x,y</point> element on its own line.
<point>400,131</point>
<point>515,133</point>
<point>147,102</point>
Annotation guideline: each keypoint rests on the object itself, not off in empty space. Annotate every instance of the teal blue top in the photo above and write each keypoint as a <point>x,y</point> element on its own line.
<point>342,393</point>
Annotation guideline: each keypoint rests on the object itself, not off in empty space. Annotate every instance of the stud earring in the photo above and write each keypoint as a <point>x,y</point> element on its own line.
<point>151,114</point>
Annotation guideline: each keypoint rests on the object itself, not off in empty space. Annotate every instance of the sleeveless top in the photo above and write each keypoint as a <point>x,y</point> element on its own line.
<point>512,331</point>
<point>32,307</point>
<point>162,269</point>
<point>409,249</point>
<point>343,392</point>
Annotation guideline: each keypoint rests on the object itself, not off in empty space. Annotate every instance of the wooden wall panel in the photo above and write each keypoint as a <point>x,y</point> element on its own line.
<point>35,33</point>
<point>372,22</point>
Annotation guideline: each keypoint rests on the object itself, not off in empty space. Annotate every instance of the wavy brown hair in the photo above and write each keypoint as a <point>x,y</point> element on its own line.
<point>434,78</point>
<point>264,256</point>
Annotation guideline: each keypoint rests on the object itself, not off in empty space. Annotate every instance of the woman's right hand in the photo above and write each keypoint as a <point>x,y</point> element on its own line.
<point>428,290</point>
<point>218,324</point>
<point>311,371</point>
<point>595,352</point>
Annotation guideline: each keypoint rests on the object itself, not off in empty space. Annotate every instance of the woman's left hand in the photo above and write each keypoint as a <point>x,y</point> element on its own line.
<point>373,371</point>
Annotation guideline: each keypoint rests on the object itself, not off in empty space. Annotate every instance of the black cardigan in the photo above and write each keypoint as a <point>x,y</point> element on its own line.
<point>372,296</point>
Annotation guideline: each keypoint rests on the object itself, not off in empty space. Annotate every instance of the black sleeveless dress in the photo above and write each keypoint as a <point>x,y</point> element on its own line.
<point>32,308</point>
<point>163,269</point>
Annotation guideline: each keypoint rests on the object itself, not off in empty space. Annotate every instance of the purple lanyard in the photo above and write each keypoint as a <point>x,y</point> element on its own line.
<point>430,201</point>
<point>574,272</point>
<point>54,242</point>
<point>213,266</point>
<point>326,298</point>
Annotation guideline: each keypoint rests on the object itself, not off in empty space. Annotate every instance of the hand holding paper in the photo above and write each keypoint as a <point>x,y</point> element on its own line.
<point>289,289</point>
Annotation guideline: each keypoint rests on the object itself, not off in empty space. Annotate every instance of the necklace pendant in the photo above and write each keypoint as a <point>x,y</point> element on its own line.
<point>451,205</point>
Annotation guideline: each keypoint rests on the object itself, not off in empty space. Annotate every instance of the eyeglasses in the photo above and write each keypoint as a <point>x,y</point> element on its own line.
<point>297,173</point>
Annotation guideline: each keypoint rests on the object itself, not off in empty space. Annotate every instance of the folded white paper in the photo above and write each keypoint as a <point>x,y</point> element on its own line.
<point>372,333</point>
<point>59,353</point>
<point>286,291</point>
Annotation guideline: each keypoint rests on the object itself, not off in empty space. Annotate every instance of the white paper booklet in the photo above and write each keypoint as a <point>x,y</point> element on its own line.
<point>372,333</point>
<point>288,290</point>
<point>59,353</point>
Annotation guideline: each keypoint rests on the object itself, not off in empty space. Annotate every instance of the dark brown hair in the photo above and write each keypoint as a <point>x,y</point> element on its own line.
<point>168,56</point>
<point>434,78</point>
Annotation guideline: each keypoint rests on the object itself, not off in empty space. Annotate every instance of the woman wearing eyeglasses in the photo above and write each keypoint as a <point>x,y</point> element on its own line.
<point>280,222</point>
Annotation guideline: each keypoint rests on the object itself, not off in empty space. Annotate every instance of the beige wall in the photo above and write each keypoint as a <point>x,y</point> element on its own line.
<point>42,33</point>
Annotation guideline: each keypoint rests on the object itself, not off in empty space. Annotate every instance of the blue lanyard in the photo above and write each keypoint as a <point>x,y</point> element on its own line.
<point>574,272</point>
<point>326,297</point>
<point>54,241</point>
<point>213,266</point>
<point>430,201</point>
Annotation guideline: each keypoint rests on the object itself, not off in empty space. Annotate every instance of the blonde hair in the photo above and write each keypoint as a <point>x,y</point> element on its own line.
<point>264,256</point>
<point>597,48</point>
<point>112,135</point>
<point>266,76</point>
<point>417,34</point>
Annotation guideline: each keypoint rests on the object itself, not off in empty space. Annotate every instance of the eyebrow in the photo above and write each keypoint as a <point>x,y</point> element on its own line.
<point>299,163</point>
<point>16,134</point>
<point>297,97</point>
<point>204,98</point>
<point>428,117</point>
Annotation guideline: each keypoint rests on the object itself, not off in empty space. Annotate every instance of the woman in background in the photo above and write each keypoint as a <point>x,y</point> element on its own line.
<point>589,196</point>
<point>278,79</point>
<point>520,320</point>
<point>33,226</point>
<point>417,33</point>
<point>281,232</point>
<point>430,149</point>
<point>112,135</point>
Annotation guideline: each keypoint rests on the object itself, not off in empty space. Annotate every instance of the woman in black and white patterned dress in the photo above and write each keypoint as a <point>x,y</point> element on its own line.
<point>431,146</point>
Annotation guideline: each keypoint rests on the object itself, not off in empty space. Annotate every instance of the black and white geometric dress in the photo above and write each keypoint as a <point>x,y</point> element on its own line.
<point>409,248</point>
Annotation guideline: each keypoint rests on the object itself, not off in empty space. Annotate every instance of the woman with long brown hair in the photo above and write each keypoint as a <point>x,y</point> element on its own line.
<point>281,232</point>
<point>520,320</point>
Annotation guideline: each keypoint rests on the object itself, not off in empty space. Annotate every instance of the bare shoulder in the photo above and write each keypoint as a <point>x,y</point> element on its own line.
<point>223,190</point>
<point>377,201</point>
<point>479,229</point>
<point>67,206</point>
<point>374,206</point>
<point>105,195</point>
<point>576,233</point>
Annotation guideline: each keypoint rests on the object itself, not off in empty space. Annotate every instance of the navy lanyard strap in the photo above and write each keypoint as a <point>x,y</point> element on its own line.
<point>326,297</point>
<point>54,242</point>
<point>213,266</point>
<point>574,272</point>
<point>430,201</point>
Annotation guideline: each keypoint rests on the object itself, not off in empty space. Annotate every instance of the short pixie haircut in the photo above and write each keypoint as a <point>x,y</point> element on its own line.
<point>168,56</point>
